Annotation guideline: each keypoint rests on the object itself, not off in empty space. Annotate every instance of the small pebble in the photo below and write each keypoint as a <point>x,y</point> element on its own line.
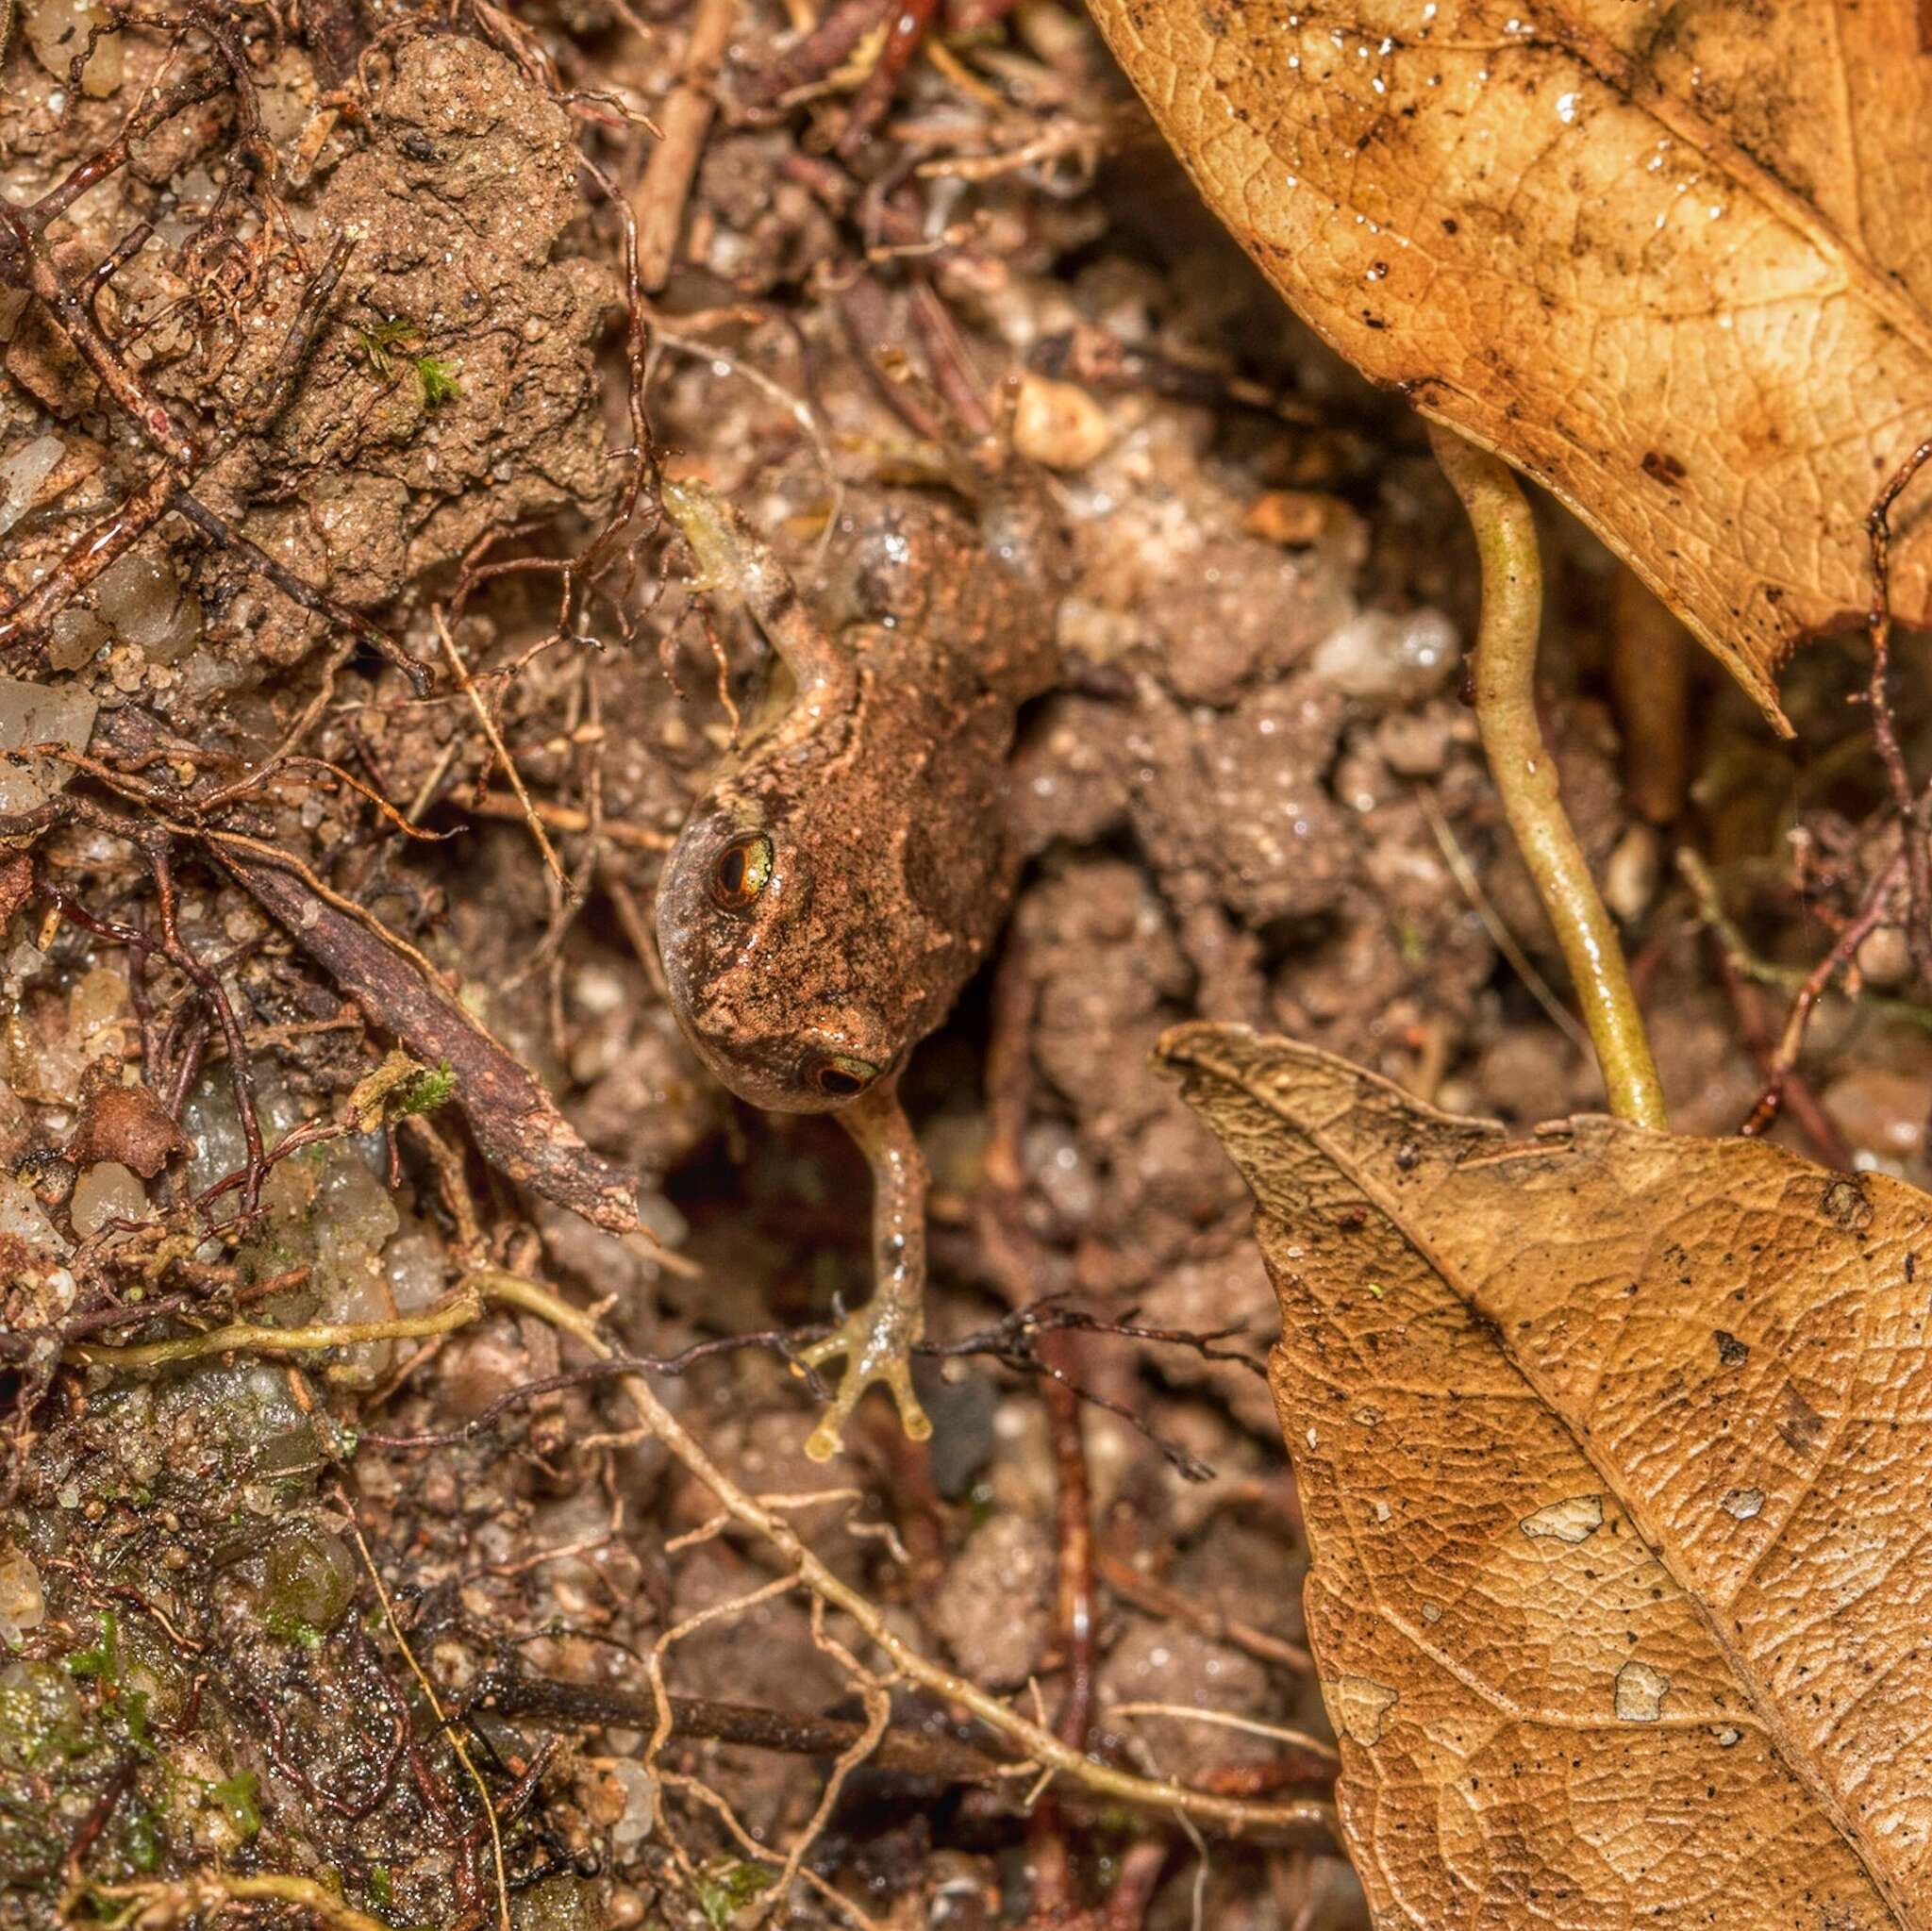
<point>107,1192</point>
<point>1885,959</point>
<point>22,1603</point>
<point>1296,519</point>
<point>57,30</point>
<point>1389,659</point>
<point>1414,743</point>
<point>39,714</point>
<point>1630,873</point>
<point>1059,424</point>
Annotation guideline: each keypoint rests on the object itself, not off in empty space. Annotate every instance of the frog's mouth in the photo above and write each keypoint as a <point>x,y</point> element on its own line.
<point>814,1068</point>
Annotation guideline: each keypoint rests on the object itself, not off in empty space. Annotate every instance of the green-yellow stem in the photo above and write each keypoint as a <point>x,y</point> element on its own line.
<point>251,1338</point>
<point>1525,774</point>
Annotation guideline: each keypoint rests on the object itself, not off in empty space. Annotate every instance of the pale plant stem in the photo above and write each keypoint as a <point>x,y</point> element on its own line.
<point>1040,1743</point>
<point>247,1337</point>
<point>1525,774</point>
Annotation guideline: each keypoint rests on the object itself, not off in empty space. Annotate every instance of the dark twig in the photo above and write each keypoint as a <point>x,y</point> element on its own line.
<point>909,1753</point>
<point>909,22</point>
<point>33,268</point>
<point>1046,1316</point>
<point>300,591</point>
<point>1869,916</point>
<point>103,1808</point>
<point>1141,1868</point>
<point>1884,727</point>
<point>189,90</point>
<point>515,1122</point>
<point>1803,1104</point>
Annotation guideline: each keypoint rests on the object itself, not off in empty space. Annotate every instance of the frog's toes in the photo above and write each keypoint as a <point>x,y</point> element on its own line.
<point>877,1347</point>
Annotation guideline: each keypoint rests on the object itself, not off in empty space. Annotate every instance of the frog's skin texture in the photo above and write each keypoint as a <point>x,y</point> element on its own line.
<point>842,878</point>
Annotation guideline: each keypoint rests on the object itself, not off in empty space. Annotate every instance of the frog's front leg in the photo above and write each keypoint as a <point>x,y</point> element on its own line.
<point>877,1341</point>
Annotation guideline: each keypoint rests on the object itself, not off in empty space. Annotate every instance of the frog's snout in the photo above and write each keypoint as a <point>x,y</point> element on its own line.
<point>794,1064</point>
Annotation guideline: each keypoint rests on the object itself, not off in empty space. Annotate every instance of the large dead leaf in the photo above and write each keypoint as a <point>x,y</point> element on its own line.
<point>1616,1452</point>
<point>1672,259</point>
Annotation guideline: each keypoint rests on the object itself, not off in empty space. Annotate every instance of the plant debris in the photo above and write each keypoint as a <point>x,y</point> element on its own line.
<point>404,1513</point>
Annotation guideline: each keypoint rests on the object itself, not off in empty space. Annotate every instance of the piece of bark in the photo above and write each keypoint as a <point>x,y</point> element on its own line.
<point>514,1122</point>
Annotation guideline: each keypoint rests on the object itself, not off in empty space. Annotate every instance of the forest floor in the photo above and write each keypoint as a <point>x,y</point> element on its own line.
<point>340,364</point>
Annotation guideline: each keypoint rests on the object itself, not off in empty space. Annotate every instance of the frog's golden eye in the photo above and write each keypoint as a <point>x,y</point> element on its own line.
<point>740,871</point>
<point>838,1076</point>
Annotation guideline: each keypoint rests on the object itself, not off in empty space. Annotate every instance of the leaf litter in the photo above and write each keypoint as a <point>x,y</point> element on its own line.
<point>357,1320</point>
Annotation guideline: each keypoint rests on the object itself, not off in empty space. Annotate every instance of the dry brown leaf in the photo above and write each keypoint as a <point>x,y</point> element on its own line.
<point>123,1123</point>
<point>1616,1453</point>
<point>1672,260</point>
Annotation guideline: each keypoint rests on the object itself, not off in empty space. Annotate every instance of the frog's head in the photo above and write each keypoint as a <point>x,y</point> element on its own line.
<point>760,993</point>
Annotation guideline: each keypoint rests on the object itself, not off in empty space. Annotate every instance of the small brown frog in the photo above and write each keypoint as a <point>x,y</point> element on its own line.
<point>844,874</point>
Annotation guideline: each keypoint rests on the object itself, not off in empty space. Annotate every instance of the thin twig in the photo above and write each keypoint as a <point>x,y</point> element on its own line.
<point>600,1705</point>
<point>435,1702</point>
<point>532,816</point>
<point>570,820</point>
<point>1162,1599</point>
<point>666,187</point>
<point>1810,987</point>
<point>1816,1125</point>
<point>1883,729</point>
<point>1323,1757</point>
<point>1501,936</point>
<point>1035,1739</point>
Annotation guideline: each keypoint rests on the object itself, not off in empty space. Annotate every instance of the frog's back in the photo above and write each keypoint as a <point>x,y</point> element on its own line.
<point>955,603</point>
<point>951,620</point>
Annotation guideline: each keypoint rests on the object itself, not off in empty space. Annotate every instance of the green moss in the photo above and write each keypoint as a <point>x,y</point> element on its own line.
<point>103,1659</point>
<point>381,339</point>
<point>439,382</point>
<point>428,1091</point>
<point>141,1837</point>
<point>240,1796</point>
<point>311,1579</point>
<point>131,1706</point>
<point>726,1885</point>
